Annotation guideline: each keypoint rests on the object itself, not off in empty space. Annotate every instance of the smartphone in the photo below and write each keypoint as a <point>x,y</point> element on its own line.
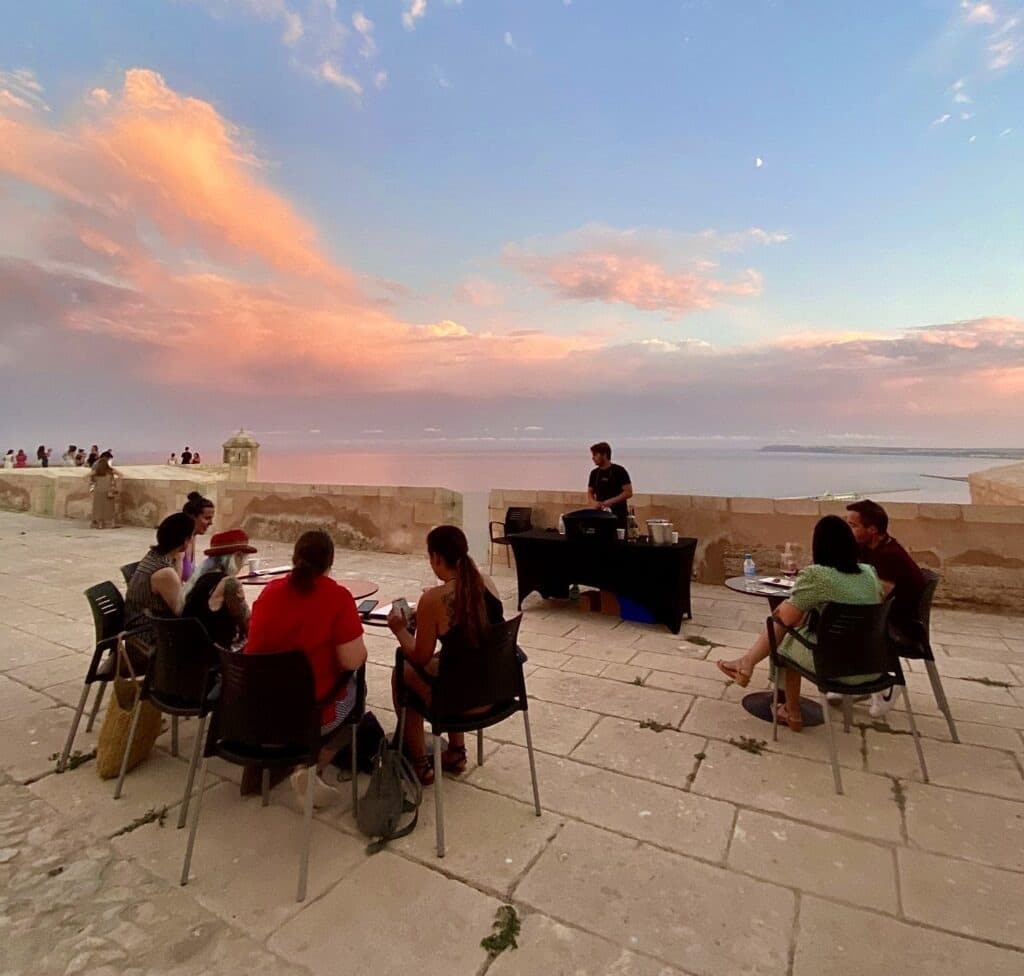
<point>402,606</point>
<point>366,606</point>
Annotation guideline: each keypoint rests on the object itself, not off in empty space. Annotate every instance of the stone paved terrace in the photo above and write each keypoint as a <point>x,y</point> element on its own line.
<point>658,852</point>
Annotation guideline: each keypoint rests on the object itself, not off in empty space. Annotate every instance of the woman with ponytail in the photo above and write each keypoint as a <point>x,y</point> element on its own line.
<point>308,611</point>
<point>462,609</point>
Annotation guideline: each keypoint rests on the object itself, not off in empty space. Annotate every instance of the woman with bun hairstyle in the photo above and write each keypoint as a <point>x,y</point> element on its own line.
<point>202,510</point>
<point>308,611</point>
<point>461,609</point>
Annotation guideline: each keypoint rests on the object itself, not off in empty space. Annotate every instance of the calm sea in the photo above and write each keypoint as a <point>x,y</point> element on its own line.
<point>700,471</point>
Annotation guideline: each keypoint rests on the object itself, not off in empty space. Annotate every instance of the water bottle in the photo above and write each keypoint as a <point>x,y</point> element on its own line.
<point>749,569</point>
<point>788,562</point>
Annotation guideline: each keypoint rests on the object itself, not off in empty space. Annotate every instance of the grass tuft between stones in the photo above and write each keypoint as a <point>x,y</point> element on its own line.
<point>505,929</point>
<point>76,759</point>
<point>151,815</point>
<point>655,726</point>
<point>754,746</point>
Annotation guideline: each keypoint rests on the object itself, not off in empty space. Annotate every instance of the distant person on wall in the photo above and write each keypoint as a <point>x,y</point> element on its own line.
<point>9,459</point>
<point>21,459</point>
<point>173,459</point>
<point>202,511</point>
<point>186,455</point>
<point>93,456</point>
<point>104,478</point>
<point>43,456</point>
<point>196,459</point>
<point>80,458</point>
<point>609,488</point>
<point>68,457</point>
<point>899,574</point>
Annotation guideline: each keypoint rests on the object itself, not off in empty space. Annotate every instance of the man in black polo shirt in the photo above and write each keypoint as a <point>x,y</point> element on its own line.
<point>897,571</point>
<point>609,486</point>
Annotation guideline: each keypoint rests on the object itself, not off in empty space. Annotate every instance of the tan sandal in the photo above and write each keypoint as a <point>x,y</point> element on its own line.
<point>733,673</point>
<point>796,724</point>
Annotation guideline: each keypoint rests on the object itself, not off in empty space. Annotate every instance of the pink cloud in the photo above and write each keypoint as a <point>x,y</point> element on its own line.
<point>650,269</point>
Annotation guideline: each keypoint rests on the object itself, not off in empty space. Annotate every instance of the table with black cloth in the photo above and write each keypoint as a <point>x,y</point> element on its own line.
<point>656,577</point>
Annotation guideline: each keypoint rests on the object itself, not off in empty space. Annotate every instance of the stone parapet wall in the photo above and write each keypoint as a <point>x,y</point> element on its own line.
<point>381,518</point>
<point>978,549</point>
<point>998,486</point>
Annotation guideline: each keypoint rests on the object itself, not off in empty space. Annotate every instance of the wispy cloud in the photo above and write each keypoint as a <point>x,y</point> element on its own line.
<point>942,119</point>
<point>1005,37</point>
<point>364,28</point>
<point>978,13</point>
<point>20,89</point>
<point>415,10</point>
<point>652,270</point>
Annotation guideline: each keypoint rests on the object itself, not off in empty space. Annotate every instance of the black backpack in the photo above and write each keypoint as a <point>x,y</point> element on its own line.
<point>393,793</point>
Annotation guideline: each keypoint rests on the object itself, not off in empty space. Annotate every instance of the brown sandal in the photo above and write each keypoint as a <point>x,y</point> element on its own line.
<point>796,724</point>
<point>423,767</point>
<point>734,673</point>
<point>453,760</point>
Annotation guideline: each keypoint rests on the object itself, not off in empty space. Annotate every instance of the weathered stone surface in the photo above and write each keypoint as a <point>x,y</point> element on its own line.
<point>850,942</point>
<point>671,907</point>
<point>814,860</point>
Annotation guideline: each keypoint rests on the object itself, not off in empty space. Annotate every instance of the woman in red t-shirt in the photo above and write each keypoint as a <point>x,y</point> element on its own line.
<point>309,611</point>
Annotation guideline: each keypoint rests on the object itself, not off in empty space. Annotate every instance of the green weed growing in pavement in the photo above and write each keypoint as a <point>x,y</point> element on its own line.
<point>702,641</point>
<point>151,815</point>
<point>899,795</point>
<point>505,929</point>
<point>638,680</point>
<point>754,746</point>
<point>76,759</point>
<point>655,726</point>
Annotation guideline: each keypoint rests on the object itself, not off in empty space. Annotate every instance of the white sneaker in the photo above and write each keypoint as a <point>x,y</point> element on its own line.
<point>323,794</point>
<point>834,698</point>
<point>882,703</point>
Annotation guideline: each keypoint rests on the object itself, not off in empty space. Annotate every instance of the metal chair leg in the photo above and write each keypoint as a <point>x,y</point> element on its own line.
<point>775,705</point>
<point>490,558</point>
<point>401,731</point>
<point>916,734</point>
<point>193,765</point>
<point>307,837</point>
<point>831,743</point>
<point>508,555</point>
<point>847,712</point>
<point>195,824</point>
<point>438,804</point>
<point>136,712</point>
<point>96,705</point>
<point>355,773</point>
<point>174,736</point>
<point>265,786</point>
<point>479,747</point>
<point>533,765</point>
<point>73,731</point>
<point>940,698</point>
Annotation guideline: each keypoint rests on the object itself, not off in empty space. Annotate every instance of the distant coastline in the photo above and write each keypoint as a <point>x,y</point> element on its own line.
<point>1007,453</point>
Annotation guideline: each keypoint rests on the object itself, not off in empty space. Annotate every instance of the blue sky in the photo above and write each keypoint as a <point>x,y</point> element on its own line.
<point>662,179</point>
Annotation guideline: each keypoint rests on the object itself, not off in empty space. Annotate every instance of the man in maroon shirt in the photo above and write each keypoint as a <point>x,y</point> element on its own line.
<point>896,569</point>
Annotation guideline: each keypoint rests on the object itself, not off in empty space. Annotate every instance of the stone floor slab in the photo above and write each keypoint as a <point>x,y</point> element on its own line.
<point>962,897</point>
<point>18,648</point>
<point>548,947</point>
<point>28,742</point>
<point>667,756</point>
<point>46,674</point>
<point>16,699</point>
<point>674,908</point>
<point>442,924</point>
<point>843,941</point>
<point>246,862</point>
<point>555,728</point>
<point>815,860</point>
<point>608,697</point>
<point>802,790</point>
<point>981,828</point>
<point>661,815</point>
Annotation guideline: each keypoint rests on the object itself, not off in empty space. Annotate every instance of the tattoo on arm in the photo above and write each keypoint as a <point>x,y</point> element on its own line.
<point>234,600</point>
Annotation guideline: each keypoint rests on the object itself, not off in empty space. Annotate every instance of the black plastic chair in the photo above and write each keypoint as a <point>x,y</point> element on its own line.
<point>128,571</point>
<point>917,646</point>
<point>181,682</point>
<point>107,606</point>
<point>516,520</point>
<point>852,639</point>
<point>268,716</point>
<point>489,677</point>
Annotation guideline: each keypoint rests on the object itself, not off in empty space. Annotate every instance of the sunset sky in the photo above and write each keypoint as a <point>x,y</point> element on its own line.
<point>424,219</point>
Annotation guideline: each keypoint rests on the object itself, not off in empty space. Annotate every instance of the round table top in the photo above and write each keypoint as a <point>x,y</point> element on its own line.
<point>359,588</point>
<point>754,587</point>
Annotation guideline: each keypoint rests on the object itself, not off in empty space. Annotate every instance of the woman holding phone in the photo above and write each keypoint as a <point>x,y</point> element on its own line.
<point>461,609</point>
